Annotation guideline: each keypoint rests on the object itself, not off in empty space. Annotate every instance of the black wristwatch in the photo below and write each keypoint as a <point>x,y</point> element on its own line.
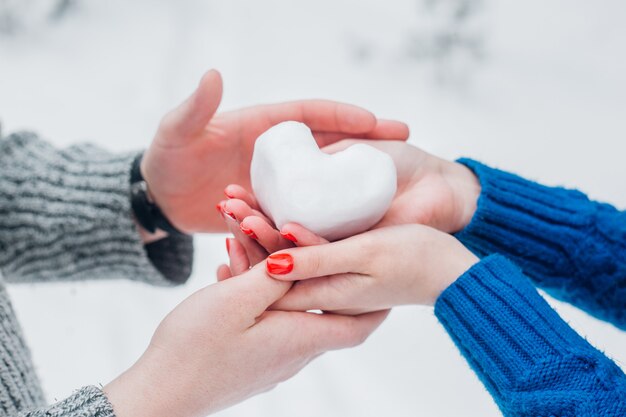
<point>147,213</point>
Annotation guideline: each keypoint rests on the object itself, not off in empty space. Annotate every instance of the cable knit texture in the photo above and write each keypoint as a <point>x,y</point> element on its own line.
<point>529,359</point>
<point>89,401</point>
<point>570,246</point>
<point>65,214</point>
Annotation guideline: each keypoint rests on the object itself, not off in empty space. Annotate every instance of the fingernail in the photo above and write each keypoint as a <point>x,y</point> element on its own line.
<point>228,195</point>
<point>248,232</point>
<point>218,207</point>
<point>229,214</point>
<point>289,236</point>
<point>228,246</point>
<point>279,263</point>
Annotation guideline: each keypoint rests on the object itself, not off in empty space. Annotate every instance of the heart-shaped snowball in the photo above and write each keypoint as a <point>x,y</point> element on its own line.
<point>335,196</point>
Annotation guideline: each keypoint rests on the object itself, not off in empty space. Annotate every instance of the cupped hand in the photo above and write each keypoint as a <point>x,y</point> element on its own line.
<point>196,153</point>
<point>431,191</point>
<point>221,345</point>
<point>379,269</point>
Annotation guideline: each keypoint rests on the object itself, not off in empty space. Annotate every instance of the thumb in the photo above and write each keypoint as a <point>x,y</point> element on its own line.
<point>192,116</point>
<point>256,290</point>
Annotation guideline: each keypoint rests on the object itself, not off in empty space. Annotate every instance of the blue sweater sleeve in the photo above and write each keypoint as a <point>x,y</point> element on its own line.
<point>572,247</point>
<point>528,358</point>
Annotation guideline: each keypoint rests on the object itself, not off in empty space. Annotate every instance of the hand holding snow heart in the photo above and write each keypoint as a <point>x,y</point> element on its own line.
<point>394,264</point>
<point>430,191</point>
<point>335,196</point>
<point>197,151</point>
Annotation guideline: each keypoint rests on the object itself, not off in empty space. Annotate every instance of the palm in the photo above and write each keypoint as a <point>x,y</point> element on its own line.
<point>190,178</point>
<point>431,191</point>
<point>424,195</point>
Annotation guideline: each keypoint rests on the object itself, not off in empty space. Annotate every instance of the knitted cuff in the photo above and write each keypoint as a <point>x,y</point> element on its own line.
<point>570,246</point>
<point>516,216</point>
<point>66,215</point>
<point>503,327</point>
<point>172,257</point>
<point>89,401</point>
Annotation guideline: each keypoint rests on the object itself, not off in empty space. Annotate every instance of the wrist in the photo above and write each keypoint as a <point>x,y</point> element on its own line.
<point>466,189</point>
<point>462,261</point>
<point>149,237</point>
<point>145,208</point>
<point>127,399</point>
<point>141,391</point>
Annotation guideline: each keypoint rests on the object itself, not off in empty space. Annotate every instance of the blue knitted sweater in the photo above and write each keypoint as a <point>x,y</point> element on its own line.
<point>529,359</point>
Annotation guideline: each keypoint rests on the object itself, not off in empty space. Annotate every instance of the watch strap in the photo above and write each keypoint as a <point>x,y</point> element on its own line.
<point>147,213</point>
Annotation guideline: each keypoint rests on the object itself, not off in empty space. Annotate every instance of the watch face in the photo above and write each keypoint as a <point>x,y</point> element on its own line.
<point>148,214</point>
<point>139,187</point>
<point>142,207</point>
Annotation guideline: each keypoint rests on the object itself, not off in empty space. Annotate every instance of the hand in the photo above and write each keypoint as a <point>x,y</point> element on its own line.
<point>220,346</point>
<point>431,191</point>
<point>196,153</point>
<point>379,269</point>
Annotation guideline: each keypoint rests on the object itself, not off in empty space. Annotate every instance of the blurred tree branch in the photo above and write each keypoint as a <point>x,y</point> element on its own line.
<point>451,37</point>
<point>17,15</point>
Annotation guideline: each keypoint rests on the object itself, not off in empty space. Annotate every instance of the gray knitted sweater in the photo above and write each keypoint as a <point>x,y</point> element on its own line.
<point>65,215</point>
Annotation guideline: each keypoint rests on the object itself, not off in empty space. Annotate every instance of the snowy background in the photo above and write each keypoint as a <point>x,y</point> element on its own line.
<point>536,87</point>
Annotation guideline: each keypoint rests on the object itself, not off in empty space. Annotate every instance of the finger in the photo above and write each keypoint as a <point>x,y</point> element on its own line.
<point>255,290</point>
<point>329,293</point>
<point>389,130</point>
<point>324,332</point>
<point>344,256</point>
<point>326,138</point>
<point>384,130</point>
<point>239,210</point>
<point>239,262</point>
<point>238,192</point>
<point>192,116</point>
<point>300,235</point>
<point>236,209</point>
<point>346,143</point>
<point>323,115</point>
<point>223,273</point>
<point>255,253</point>
<point>266,235</point>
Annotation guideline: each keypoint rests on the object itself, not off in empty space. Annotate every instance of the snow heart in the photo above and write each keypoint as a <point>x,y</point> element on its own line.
<point>335,196</point>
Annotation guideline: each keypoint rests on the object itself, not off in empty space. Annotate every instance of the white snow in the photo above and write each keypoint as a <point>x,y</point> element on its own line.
<point>334,196</point>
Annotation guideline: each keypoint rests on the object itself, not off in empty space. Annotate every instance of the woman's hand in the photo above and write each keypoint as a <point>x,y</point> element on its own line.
<point>431,191</point>
<point>196,153</point>
<point>220,346</point>
<point>376,270</point>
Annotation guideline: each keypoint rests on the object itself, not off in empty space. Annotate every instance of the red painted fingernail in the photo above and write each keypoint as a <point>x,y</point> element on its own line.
<point>228,195</point>
<point>218,207</point>
<point>228,246</point>
<point>249,232</point>
<point>289,236</point>
<point>229,214</point>
<point>279,263</point>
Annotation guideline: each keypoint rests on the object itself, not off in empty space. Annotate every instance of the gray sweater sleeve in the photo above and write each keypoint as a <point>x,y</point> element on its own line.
<point>89,401</point>
<point>65,215</point>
